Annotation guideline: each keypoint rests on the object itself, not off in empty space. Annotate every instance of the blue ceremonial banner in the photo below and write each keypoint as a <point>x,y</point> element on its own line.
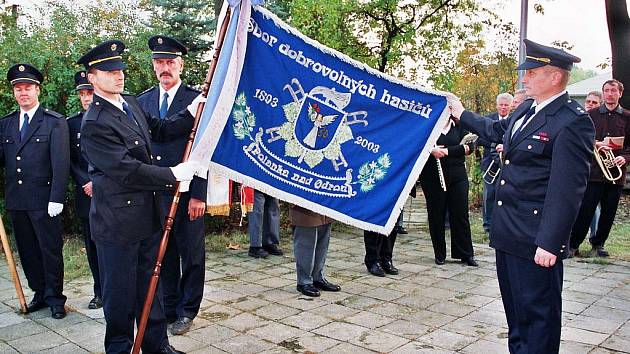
<point>313,127</point>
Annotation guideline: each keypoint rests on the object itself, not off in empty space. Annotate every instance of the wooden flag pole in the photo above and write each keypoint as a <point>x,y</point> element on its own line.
<point>148,302</point>
<point>12,268</point>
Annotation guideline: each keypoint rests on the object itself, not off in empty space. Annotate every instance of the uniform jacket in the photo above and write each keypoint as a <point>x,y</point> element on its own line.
<point>170,153</point>
<point>543,177</point>
<point>78,166</point>
<point>303,217</point>
<point>125,207</point>
<point>37,167</point>
<point>453,165</point>
<point>489,148</point>
<point>611,123</point>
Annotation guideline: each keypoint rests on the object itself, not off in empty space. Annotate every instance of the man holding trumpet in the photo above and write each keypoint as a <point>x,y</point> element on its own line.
<point>608,169</point>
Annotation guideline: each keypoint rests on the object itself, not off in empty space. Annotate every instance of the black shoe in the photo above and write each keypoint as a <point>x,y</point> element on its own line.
<point>168,349</point>
<point>470,261</point>
<point>401,230</point>
<point>376,269</point>
<point>440,261</point>
<point>257,252</point>
<point>181,326</point>
<point>273,249</point>
<point>35,305</point>
<point>389,268</point>
<point>95,303</point>
<point>308,290</point>
<point>58,311</point>
<point>599,251</point>
<point>324,285</point>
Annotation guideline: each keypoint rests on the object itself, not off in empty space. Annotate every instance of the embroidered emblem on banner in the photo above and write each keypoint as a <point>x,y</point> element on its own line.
<point>316,129</point>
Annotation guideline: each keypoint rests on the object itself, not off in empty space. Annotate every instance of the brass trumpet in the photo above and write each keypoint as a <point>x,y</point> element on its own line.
<point>493,170</point>
<point>606,161</point>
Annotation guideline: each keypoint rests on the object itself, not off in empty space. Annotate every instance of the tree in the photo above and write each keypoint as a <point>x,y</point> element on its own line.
<point>192,22</point>
<point>619,33</point>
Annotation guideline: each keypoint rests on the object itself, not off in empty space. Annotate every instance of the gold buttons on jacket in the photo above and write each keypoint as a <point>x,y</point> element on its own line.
<point>136,142</point>
<point>499,203</point>
<point>529,147</point>
<point>19,170</point>
<point>18,158</point>
<point>507,162</point>
<point>19,181</point>
<point>502,182</point>
<point>128,202</point>
<point>159,157</point>
<point>535,212</point>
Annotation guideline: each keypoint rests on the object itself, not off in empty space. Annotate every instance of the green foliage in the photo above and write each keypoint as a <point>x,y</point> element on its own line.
<point>191,22</point>
<point>579,74</point>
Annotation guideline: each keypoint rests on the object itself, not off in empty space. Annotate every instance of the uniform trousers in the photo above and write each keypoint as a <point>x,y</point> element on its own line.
<point>455,200</point>
<point>532,299</point>
<point>378,248</point>
<point>125,271</point>
<point>488,205</point>
<point>310,246</point>
<point>92,256</point>
<point>264,221</point>
<point>184,264</point>
<point>605,194</point>
<point>39,244</point>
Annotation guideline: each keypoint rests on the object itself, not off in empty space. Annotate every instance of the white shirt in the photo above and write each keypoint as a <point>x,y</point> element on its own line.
<point>538,107</point>
<point>171,94</point>
<point>116,103</point>
<point>30,114</point>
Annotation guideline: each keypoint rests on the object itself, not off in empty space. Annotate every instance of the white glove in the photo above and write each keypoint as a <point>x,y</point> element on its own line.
<point>54,209</point>
<point>192,108</point>
<point>185,171</point>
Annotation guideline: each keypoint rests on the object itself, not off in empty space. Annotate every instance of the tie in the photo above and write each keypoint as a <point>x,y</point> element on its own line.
<point>164,106</point>
<point>24,127</point>
<point>129,113</point>
<point>529,114</point>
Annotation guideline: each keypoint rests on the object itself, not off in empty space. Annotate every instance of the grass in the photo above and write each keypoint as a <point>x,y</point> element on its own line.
<point>75,262</point>
<point>618,243</point>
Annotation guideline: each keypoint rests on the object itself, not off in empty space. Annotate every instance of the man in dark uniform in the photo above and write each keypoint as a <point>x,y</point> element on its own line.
<point>547,145</point>
<point>34,152</point>
<point>83,185</point>
<point>126,217</point>
<point>183,268</point>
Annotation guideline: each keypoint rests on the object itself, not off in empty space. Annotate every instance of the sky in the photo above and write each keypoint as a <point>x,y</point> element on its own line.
<point>582,23</point>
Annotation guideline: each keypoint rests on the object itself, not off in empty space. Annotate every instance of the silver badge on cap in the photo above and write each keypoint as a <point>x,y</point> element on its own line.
<point>160,41</point>
<point>114,47</point>
<point>21,68</point>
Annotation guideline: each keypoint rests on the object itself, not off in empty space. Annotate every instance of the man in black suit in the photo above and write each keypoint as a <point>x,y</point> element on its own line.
<point>491,159</point>
<point>183,268</point>
<point>126,215</point>
<point>83,185</point>
<point>547,146</point>
<point>35,154</point>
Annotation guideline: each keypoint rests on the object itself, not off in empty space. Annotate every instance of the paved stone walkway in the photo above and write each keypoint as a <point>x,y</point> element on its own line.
<point>251,306</point>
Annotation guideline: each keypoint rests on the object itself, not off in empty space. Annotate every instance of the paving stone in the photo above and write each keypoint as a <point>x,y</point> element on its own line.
<point>10,318</point>
<point>607,313</point>
<point>21,329</point>
<point>277,332</point>
<point>315,343</point>
<point>618,343</point>
<point>67,348</point>
<point>570,347</point>
<point>212,334</point>
<point>430,318</point>
<point>447,340</point>
<point>484,346</point>
<point>416,301</point>
<point>470,328</point>
<point>38,342</point>
<point>606,326</point>
<point>276,311</point>
<point>369,319</point>
<point>249,303</point>
<point>421,348</point>
<point>341,331</point>
<point>378,341</point>
<point>347,348</point>
<point>217,313</point>
<point>582,336</point>
<point>407,329</point>
<point>306,321</point>
<point>359,302</point>
<point>243,322</point>
<point>451,308</point>
<point>244,344</point>
<point>305,302</point>
<point>6,349</point>
<point>334,311</point>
